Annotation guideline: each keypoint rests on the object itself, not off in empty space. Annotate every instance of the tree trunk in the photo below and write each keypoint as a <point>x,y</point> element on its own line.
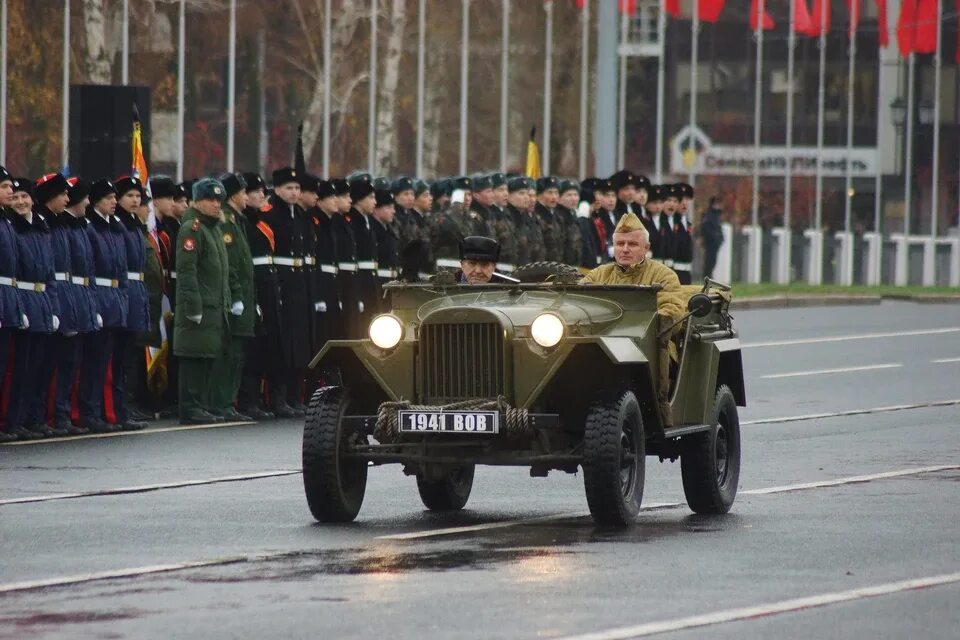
<point>387,107</point>
<point>99,61</point>
<point>433,112</point>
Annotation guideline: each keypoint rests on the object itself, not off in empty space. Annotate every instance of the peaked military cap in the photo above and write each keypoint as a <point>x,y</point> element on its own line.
<point>401,184</point>
<point>479,248</point>
<point>325,189</point>
<point>79,189</point>
<point>686,191</point>
<point>656,193</point>
<point>101,189</point>
<point>163,187</point>
<point>516,184</point>
<point>208,189</point>
<point>232,183</point>
<point>643,183</point>
<point>384,197</point>
<point>284,176</point>
<point>49,186</point>
<point>547,182</point>
<point>254,181</point>
<point>671,191</point>
<point>628,223</point>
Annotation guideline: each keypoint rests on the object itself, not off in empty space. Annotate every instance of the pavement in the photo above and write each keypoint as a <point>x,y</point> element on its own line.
<point>845,524</point>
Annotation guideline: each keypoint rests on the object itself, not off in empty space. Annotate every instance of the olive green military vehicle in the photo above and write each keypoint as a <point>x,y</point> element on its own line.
<point>546,375</point>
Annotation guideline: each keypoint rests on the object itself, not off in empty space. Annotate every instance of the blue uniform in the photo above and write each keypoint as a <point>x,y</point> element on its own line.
<point>36,286</point>
<point>10,310</point>
<point>138,306</point>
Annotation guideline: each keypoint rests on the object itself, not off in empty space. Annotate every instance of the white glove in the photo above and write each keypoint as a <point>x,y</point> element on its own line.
<point>70,334</point>
<point>99,321</point>
<point>198,319</point>
<point>259,312</point>
<point>360,306</point>
<point>237,308</point>
<point>341,305</point>
<point>321,307</point>
<point>24,321</point>
<point>56,323</point>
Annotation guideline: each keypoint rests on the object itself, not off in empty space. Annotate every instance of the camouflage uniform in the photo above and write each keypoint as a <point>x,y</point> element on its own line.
<point>528,237</point>
<point>573,238</point>
<point>447,229</point>
<point>554,240</point>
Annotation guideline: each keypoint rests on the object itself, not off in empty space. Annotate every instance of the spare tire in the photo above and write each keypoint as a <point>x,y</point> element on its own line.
<point>543,271</point>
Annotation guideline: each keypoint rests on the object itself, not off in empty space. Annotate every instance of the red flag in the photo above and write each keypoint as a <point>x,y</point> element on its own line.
<point>630,6</point>
<point>853,11</point>
<point>820,17</point>
<point>802,22</point>
<point>758,7</point>
<point>906,26</point>
<point>581,3</point>
<point>928,21</point>
<point>672,7</point>
<point>882,28</point>
<point>710,10</point>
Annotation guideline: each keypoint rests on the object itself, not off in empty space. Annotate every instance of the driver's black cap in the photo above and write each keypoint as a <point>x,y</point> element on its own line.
<point>479,248</point>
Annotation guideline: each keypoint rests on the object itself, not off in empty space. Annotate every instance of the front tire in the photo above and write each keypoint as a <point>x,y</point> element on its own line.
<point>614,460</point>
<point>710,462</point>
<point>334,485</point>
<point>449,493</point>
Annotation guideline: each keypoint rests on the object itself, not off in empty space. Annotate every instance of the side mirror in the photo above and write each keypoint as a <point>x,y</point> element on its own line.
<point>700,305</point>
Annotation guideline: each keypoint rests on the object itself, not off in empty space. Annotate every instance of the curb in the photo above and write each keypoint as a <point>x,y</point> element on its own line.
<point>784,302</point>
<point>925,298</point>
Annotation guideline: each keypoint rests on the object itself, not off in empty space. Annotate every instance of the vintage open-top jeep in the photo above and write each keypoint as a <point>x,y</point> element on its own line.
<point>548,375</point>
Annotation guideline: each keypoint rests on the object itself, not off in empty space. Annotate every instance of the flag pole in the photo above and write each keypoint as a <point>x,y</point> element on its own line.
<point>372,106</point>
<point>547,85</point>
<point>908,156</point>
<point>3,82</point>
<point>421,70</point>
<point>181,61</point>
<point>694,63</point>
<point>785,250</point>
<point>232,85</point>
<point>622,102</point>
<point>464,85</point>
<point>935,195</point>
<point>584,86</point>
<point>821,93</point>
<point>65,150</point>
<point>661,89</point>
<point>327,64</point>
<point>757,105</point>
<point>125,60</point>
<point>848,183</point>
<point>504,82</point>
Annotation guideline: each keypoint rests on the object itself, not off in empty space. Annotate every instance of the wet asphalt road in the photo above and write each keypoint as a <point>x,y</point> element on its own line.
<point>536,567</point>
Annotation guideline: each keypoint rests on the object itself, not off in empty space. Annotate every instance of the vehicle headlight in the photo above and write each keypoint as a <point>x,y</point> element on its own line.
<point>547,330</point>
<point>386,331</point>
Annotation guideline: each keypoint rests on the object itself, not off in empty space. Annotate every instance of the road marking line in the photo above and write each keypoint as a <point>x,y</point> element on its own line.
<point>849,480</point>
<point>149,487</point>
<point>861,336</point>
<point>852,412</point>
<point>30,585</point>
<point>945,360</point>
<point>817,372</point>
<point>769,609</point>
<point>117,434</point>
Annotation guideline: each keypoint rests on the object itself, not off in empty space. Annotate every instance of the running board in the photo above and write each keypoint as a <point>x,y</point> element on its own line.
<point>685,430</point>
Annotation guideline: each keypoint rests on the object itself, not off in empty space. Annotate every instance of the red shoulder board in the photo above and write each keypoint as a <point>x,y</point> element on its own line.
<point>347,218</point>
<point>268,233</point>
<point>316,222</point>
<point>267,207</point>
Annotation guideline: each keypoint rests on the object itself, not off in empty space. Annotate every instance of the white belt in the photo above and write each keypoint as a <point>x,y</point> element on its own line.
<point>508,268</point>
<point>106,282</point>
<point>37,287</point>
<point>131,275</point>
<point>348,266</point>
<point>8,282</point>
<point>296,263</point>
<point>366,265</point>
<point>173,275</point>
<point>260,261</point>
<point>83,282</point>
<point>310,260</point>
<point>682,266</point>
<point>328,268</point>
<point>449,263</point>
<point>668,262</point>
<point>61,277</point>
<point>386,273</point>
<point>423,276</point>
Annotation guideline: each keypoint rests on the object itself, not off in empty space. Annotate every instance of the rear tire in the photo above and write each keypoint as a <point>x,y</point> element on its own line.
<point>450,493</point>
<point>614,459</point>
<point>710,462</point>
<point>334,485</point>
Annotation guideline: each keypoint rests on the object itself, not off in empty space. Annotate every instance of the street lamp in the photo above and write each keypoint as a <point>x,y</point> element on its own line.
<point>925,112</point>
<point>898,110</point>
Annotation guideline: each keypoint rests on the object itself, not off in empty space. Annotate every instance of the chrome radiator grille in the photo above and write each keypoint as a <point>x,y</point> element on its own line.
<point>461,361</point>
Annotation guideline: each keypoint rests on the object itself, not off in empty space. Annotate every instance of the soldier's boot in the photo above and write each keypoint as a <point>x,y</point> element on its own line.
<point>66,426</point>
<point>40,429</point>
<point>7,437</point>
<point>199,416</point>
<point>234,416</point>
<point>95,425</point>
<point>258,414</point>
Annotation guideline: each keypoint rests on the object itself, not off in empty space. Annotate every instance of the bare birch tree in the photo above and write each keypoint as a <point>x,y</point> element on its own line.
<point>386,147</point>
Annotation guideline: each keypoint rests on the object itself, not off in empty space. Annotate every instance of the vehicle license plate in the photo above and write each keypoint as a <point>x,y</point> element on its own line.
<point>449,421</point>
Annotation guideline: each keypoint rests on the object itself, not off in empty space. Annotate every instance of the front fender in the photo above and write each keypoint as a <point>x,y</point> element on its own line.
<point>363,365</point>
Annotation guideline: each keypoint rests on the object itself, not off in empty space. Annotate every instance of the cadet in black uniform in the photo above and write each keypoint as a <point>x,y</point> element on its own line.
<point>682,237</point>
<point>388,260</point>
<point>347,282</point>
<point>327,319</point>
<point>364,200</point>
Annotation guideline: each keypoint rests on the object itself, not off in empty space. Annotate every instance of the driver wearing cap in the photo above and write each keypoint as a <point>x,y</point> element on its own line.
<point>478,261</point>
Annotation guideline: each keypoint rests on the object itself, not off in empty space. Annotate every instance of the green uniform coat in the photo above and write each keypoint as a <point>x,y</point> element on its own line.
<point>203,288</point>
<point>241,272</point>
